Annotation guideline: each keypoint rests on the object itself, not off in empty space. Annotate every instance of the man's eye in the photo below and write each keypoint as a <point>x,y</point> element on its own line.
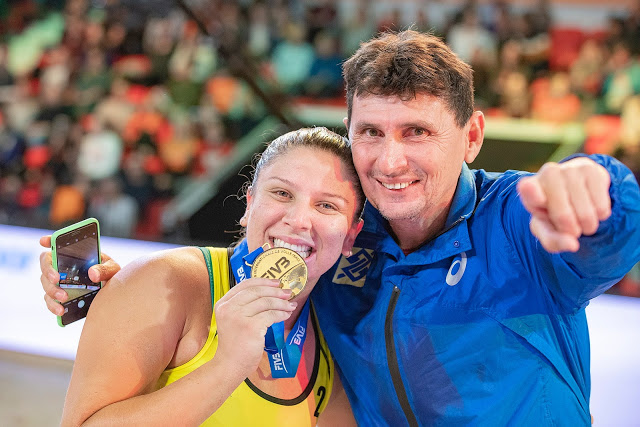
<point>371,132</point>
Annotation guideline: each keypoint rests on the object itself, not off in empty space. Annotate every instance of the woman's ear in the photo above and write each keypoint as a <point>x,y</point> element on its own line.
<point>243,220</point>
<point>350,238</point>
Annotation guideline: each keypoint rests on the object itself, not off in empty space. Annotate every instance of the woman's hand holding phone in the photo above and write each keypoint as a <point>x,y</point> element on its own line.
<point>50,278</point>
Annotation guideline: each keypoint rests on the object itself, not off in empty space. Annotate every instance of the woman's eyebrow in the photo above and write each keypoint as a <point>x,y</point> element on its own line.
<point>334,196</point>
<point>323,194</point>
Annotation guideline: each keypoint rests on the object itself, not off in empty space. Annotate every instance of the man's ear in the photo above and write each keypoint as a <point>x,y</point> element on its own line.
<point>350,238</point>
<point>346,124</point>
<point>475,136</point>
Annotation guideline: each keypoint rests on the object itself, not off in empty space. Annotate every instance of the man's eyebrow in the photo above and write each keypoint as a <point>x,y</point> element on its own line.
<point>418,124</point>
<point>365,125</point>
<point>415,124</point>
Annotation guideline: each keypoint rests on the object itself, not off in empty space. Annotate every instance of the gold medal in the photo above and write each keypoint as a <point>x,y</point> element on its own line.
<point>283,264</point>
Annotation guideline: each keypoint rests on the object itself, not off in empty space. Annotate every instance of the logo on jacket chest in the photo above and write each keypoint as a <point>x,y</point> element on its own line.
<point>458,266</point>
<point>353,270</point>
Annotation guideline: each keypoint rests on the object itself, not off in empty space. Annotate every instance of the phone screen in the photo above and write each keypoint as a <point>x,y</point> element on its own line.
<point>76,251</point>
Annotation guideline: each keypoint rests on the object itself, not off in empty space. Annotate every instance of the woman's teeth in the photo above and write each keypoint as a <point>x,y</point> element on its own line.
<point>303,251</point>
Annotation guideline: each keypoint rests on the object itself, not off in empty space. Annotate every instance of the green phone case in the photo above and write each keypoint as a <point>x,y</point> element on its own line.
<point>65,230</point>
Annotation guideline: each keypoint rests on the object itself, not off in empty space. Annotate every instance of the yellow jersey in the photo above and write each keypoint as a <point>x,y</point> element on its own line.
<point>248,405</point>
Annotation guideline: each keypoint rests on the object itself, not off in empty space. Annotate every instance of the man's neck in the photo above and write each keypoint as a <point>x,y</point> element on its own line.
<point>413,233</point>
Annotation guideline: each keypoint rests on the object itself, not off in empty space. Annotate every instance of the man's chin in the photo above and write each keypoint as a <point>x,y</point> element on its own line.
<point>399,213</point>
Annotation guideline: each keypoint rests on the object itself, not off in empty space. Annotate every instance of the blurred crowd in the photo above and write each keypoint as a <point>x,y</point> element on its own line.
<point>109,107</point>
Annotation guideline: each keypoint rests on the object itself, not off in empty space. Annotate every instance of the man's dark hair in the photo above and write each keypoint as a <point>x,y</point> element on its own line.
<point>407,63</point>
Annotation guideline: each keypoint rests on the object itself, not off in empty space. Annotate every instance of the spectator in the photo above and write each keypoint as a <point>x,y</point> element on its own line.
<point>325,76</point>
<point>100,151</point>
<point>477,46</point>
<point>587,71</point>
<point>472,42</point>
<point>514,98</point>
<point>630,133</point>
<point>322,16</point>
<point>159,44</point>
<point>68,203</point>
<point>615,32</point>
<point>6,79</point>
<point>557,103</point>
<point>192,62</point>
<point>259,34</point>
<point>292,59</point>
<point>535,42</point>
<point>357,29</point>
<point>622,80</point>
<point>116,211</point>
<point>92,83</point>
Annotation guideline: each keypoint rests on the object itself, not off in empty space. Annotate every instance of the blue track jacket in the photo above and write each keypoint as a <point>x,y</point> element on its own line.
<point>479,326</point>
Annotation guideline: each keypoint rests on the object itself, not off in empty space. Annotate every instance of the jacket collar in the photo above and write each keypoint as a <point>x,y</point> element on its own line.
<point>465,197</point>
<point>453,239</point>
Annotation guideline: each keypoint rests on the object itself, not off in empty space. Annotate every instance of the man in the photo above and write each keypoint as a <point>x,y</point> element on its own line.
<point>463,301</point>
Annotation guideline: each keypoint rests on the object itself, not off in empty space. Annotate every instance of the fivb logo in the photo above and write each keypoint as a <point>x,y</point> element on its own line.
<point>299,335</point>
<point>278,267</point>
<point>453,278</point>
<point>240,274</point>
<point>353,270</point>
<point>277,361</point>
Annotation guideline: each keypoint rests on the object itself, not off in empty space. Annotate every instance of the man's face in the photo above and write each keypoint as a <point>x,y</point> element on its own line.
<point>409,154</point>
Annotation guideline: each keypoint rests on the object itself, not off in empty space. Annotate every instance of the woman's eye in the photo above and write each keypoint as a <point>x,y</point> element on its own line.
<point>328,206</point>
<point>281,193</point>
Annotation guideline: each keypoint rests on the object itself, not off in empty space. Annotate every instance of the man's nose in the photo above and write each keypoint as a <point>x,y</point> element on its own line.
<point>392,156</point>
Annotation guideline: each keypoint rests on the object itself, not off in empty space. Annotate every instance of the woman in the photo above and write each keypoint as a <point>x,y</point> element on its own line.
<point>169,340</point>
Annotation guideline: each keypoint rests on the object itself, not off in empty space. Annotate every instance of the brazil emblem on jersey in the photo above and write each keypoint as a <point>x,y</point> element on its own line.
<point>353,270</point>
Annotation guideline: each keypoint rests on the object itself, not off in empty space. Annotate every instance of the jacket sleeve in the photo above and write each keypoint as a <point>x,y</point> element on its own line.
<point>603,258</point>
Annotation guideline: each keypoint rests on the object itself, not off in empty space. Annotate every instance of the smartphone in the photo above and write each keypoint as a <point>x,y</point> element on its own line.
<point>73,250</point>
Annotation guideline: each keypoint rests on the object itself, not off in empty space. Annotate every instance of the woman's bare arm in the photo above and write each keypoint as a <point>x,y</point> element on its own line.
<point>131,335</point>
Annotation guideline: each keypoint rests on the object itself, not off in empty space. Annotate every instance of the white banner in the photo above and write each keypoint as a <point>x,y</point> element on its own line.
<point>26,325</point>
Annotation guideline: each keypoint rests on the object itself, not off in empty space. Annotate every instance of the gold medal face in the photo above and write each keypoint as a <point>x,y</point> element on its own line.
<point>283,264</point>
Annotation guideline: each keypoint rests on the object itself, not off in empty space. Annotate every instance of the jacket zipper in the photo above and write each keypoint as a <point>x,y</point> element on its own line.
<point>392,360</point>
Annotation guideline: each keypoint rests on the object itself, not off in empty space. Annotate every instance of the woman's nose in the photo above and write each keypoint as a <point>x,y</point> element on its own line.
<point>298,216</point>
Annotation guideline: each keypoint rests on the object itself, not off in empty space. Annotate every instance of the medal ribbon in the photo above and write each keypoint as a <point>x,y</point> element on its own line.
<point>283,358</point>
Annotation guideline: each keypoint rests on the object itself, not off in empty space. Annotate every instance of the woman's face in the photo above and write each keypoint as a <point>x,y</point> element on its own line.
<point>305,201</point>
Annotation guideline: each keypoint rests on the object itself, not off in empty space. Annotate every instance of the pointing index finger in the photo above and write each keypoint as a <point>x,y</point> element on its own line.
<point>532,195</point>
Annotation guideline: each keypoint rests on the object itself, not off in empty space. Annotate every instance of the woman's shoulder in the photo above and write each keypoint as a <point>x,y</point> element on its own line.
<point>164,265</point>
<point>182,270</point>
